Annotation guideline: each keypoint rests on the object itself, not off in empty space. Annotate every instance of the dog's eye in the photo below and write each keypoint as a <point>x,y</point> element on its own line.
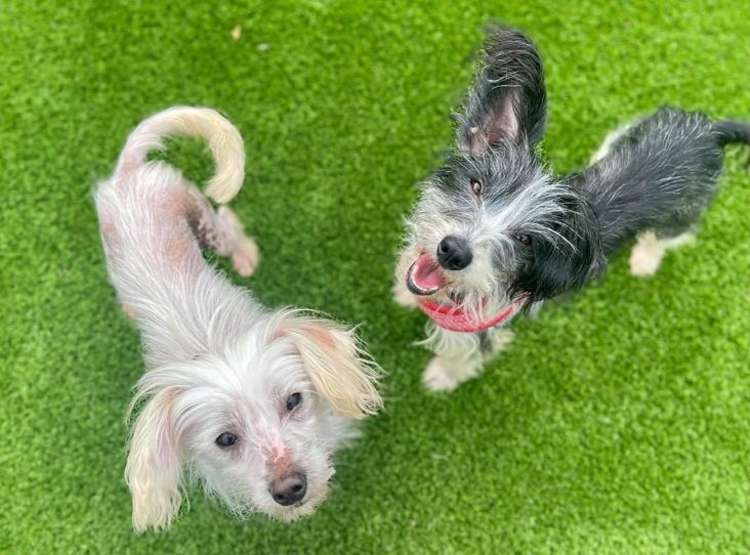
<point>476,187</point>
<point>227,439</point>
<point>522,238</point>
<point>293,401</point>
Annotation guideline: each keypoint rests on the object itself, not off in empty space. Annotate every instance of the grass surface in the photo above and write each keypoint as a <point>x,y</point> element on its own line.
<point>616,423</point>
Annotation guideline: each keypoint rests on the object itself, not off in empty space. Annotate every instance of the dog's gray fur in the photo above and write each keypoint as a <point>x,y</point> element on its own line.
<point>533,235</point>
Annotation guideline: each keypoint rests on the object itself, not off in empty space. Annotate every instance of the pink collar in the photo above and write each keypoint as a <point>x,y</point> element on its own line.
<point>453,318</point>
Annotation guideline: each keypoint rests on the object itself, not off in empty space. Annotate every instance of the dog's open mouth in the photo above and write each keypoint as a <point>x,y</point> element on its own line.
<point>426,278</point>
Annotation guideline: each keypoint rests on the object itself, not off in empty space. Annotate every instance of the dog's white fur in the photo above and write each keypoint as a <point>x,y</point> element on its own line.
<point>216,360</point>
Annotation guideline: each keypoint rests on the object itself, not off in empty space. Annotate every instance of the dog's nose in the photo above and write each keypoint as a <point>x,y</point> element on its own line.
<point>454,253</point>
<point>289,489</point>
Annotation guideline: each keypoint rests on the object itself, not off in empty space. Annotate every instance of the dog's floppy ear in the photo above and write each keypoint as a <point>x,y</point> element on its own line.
<point>566,257</point>
<point>339,368</point>
<point>153,471</point>
<point>507,100</point>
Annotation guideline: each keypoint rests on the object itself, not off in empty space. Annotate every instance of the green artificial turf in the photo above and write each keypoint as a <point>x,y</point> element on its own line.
<point>618,422</point>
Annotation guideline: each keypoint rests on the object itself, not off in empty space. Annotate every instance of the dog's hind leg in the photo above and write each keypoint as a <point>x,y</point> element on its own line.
<point>245,253</point>
<point>222,232</point>
<point>649,250</point>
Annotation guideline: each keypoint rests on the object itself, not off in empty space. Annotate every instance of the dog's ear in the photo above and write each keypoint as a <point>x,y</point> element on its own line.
<point>153,471</point>
<point>566,257</point>
<point>507,100</point>
<point>339,368</point>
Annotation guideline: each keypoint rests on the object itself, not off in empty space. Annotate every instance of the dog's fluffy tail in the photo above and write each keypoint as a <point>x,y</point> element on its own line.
<point>732,131</point>
<point>223,139</point>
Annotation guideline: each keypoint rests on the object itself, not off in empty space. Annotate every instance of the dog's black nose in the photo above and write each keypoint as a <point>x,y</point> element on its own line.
<point>289,489</point>
<point>454,253</point>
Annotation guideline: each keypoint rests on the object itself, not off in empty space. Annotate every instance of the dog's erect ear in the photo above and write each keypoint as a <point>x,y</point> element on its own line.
<point>507,100</point>
<point>565,258</point>
<point>153,471</point>
<point>339,368</point>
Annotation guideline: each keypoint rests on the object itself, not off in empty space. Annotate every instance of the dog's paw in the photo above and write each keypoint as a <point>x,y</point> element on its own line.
<point>245,257</point>
<point>439,376</point>
<point>402,296</point>
<point>646,256</point>
<point>643,263</point>
<point>501,339</point>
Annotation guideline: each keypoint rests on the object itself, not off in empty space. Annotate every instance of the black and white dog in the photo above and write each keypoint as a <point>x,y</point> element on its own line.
<point>495,233</point>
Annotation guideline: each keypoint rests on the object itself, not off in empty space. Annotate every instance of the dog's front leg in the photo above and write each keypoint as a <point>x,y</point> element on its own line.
<point>460,356</point>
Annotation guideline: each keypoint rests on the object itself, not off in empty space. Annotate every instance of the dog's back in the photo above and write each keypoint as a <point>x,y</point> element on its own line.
<point>658,174</point>
<point>153,223</point>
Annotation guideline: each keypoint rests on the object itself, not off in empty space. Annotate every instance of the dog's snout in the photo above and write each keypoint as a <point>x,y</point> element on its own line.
<point>454,253</point>
<point>289,489</point>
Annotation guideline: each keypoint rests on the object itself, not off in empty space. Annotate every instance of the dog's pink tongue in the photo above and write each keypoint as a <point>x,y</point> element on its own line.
<point>426,274</point>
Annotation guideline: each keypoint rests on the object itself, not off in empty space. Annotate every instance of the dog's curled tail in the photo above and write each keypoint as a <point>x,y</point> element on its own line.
<point>732,131</point>
<point>224,141</point>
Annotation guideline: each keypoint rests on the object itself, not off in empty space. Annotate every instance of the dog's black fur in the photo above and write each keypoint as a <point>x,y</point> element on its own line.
<point>658,175</point>
<point>519,234</point>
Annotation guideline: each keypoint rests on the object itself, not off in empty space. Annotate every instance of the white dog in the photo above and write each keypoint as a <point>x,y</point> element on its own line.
<point>251,401</point>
